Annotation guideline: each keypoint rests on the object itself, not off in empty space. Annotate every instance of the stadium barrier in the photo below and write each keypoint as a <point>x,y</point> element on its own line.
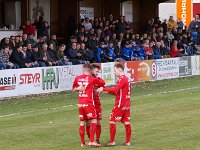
<point>27,81</point>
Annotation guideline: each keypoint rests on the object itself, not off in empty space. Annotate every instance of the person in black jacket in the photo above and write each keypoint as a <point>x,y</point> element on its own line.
<point>17,57</point>
<point>36,57</point>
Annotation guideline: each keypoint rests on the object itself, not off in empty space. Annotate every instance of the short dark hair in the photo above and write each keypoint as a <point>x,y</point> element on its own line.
<point>93,66</point>
<point>119,66</point>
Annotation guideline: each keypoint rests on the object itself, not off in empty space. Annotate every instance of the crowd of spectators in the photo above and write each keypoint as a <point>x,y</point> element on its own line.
<point>100,40</point>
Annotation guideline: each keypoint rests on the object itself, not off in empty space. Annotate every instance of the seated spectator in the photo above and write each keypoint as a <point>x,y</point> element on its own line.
<point>175,51</point>
<point>25,39</point>
<point>149,50</point>
<point>87,54</point>
<point>62,59</point>
<point>165,51</point>
<point>29,56</point>
<point>118,49</point>
<point>157,51</point>
<point>110,55</point>
<point>36,57</point>
<point>74,55</point>
<point>31,40</point>
<point>52,54</point>
<point>53,41</point>
<point>100,53</point>
<point>45,56</point>
<point>4,59</point>
<point>17,58</point>
<point>127,52</point>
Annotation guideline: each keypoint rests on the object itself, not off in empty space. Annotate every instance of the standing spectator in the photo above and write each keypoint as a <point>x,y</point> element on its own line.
<point>180,25</point>
<point>171,23</point>
<point>87,25</point>
<point>42,27</point>
<point>164,25</point>
<point>28,28</point>
<point>121,25</point>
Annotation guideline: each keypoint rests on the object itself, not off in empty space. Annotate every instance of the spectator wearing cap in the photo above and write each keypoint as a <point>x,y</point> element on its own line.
<point>110,55</point>
<point>101,53</point>
<point>61,57</point>
<point>28,28</point>
<point>17,58</point>
<point>36,57</point>
<point>4,59</point>
<point>126,52</point>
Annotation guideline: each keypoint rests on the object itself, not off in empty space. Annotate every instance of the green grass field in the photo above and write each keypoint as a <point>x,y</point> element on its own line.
<point>165,116</point>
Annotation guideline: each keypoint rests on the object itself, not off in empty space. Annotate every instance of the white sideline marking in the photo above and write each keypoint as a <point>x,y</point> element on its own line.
<point>33,111</point>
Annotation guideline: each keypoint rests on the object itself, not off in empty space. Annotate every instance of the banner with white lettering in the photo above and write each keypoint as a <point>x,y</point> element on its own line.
<point>8,83</point>
<point>167,68</point>
<point>185,67</point>
<point>108,73</point>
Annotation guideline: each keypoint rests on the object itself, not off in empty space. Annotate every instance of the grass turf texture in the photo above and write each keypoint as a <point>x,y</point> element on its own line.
<point>165,115</point>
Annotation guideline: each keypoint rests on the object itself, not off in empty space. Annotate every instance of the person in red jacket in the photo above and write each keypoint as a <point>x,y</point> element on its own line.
<point>121,110</point>
<point>28,28</point>
<point>174,51</point>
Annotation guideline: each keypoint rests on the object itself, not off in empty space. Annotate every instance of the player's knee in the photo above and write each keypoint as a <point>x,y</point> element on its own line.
<point>126,123</point>
<point>82,123</point>
<point>112,122</point>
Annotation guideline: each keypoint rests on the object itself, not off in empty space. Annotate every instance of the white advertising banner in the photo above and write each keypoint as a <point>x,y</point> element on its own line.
<point>8,83</point>
<point>87,12</point>
<point>67,75</point>
<point>195,61</point>
<point>30,81</point>
<point>167,68</point>
<point>108,73</point>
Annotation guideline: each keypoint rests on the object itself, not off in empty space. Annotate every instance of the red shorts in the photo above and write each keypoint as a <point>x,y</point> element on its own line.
<point>121,114</point>
<point>87,112</point>
<point>99,113</point>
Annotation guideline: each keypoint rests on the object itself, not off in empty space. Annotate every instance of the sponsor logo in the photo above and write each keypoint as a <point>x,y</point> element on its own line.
<point>8,83</point>
<point>153,69</point>
<point>50,78</point>
<point>29,78</point>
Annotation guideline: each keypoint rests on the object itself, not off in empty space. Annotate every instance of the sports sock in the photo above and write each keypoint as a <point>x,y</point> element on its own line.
<point>128,133</point>
<point>82,134</point>
<point>112,132</point>
<point>88,130</point>
<point>98,132</point>
<point>93,127</point>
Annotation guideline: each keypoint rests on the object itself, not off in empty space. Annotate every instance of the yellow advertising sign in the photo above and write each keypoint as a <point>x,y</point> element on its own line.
<point>184,11</point>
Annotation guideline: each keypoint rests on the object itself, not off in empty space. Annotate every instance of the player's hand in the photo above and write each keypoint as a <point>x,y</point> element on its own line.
<point>100,89</point>
<point>81,88</point>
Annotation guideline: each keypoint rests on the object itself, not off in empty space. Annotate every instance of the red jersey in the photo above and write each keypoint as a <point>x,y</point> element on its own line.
<point>87,81</point>
<point>122,90</point>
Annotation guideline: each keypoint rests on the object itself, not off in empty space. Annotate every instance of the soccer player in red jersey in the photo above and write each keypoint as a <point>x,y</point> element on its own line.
<point>121,110</point>
<point>84,85</point>
<point>97,102</point>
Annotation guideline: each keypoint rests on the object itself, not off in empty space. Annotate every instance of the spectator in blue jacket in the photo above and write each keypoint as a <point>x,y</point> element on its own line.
<point>127,52</point>
<point>110,55</point>
<point>100,53</point>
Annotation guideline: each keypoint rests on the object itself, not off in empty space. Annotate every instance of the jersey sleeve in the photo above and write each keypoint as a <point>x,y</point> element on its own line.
<point>115,89</point>
<point>75,84</point>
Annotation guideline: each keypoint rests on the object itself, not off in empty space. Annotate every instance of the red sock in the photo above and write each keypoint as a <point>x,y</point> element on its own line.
<point>98,132</point>
<point>93,127</point>
<point>88,130</point>
<point>82,134</point>
<point>128,133</point>
<point>112,132</point>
